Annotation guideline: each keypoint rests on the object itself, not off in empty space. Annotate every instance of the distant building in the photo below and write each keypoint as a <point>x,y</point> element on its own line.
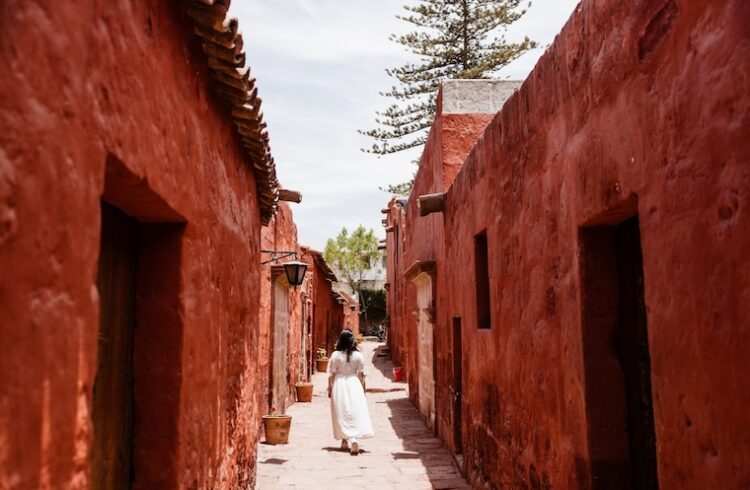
<point>374,277</point>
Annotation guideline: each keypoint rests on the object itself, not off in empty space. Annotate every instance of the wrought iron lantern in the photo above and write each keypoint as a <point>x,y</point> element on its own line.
<point>294,270</point>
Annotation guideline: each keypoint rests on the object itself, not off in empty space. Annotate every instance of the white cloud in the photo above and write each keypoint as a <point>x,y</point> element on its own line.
<point>320,65</point>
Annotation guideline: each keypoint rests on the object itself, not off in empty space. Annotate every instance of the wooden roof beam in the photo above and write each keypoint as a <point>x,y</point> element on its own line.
<point>290,196</point>
<point>431,203</point>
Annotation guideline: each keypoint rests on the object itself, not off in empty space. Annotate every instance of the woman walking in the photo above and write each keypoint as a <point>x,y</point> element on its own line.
<point>351,419</point>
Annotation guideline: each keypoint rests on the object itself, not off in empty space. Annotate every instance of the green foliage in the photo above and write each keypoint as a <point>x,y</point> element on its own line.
<point>353,255</point>
<point>453,39</point>
<point>373,301</point>
<point>402,189</point>
<point>321,354</point>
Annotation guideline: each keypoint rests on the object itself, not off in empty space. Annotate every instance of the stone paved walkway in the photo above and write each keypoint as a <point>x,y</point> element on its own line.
<point>403,454</point>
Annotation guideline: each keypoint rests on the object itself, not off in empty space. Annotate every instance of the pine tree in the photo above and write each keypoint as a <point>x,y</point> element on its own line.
<point>455,39</point>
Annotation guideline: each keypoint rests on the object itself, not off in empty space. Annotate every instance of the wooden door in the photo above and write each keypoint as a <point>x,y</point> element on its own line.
<point>113,386</point>
<point>425,331</point>
<point>309,357</point>
<point>619,403</point>
<point>280,351</point>
<point>303,343</point>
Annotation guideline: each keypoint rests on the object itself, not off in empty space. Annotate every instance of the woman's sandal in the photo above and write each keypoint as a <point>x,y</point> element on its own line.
<point>355,448</point>
<point>344,444</point>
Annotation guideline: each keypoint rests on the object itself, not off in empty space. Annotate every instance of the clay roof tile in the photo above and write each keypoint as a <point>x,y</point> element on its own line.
<point>223,45</point>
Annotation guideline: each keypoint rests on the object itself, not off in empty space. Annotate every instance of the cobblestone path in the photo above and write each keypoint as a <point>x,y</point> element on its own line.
<point>404,454</point>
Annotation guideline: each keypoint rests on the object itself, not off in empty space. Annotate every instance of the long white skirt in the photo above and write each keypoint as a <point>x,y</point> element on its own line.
<point>349,413</point>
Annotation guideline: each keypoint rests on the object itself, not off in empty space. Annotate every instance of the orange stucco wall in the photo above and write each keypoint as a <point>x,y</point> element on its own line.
<point>121,89</point>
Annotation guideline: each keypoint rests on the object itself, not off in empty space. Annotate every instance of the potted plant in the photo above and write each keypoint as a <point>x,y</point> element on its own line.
<point>321,360</point>
<point>304,391</point>
<point>276,427</point>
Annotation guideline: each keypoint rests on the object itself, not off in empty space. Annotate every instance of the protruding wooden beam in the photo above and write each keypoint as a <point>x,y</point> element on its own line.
<point>385,210</point>
<point>431,203</point>
<point>290,196</point>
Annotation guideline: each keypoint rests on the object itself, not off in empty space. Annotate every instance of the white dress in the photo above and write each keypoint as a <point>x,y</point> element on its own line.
<point>349,413</point>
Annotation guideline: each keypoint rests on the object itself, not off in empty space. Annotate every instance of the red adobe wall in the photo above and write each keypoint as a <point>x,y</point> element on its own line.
<point>636,108</point>
<point>281,235</point>
<point>349,313</point>
<point>326,311</point>
<point>400,296</point>
<point>123,82</point>
<point>451,137</point>
<point>395,287</point>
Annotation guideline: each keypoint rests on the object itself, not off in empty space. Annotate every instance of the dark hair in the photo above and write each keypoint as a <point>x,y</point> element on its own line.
<point>346,343</point>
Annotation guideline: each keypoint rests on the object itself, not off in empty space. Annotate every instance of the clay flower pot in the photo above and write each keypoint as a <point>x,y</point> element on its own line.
<point>277,428</point>
<point>304,392</point>
<point>321,365</point>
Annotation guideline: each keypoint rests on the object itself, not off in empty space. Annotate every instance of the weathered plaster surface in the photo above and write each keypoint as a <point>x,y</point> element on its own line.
<point>638,107</point>
<point>86,83</point>
<point>327,314</point>
<point>410,238</point>
<point>281,235</point>
<point>476,96</point>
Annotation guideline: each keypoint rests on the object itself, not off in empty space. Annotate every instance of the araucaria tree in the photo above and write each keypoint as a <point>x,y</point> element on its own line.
<point>454,39</point>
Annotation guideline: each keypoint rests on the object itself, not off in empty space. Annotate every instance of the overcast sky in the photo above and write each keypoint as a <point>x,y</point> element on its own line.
<point>320,66</point>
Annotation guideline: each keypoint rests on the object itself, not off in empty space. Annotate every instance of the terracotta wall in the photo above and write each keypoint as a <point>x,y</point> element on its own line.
<point>349,311</point>
<point>121,89</point>
<point>451,137</point>
<point>395,223</point>
<point>635,110</point>
<point>281,235</point>
<point>326,311</point>
<point>351,316</point>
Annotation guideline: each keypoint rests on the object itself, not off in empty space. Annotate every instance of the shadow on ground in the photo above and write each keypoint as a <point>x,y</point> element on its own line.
<point>381,359</point>
<point>419,443</point>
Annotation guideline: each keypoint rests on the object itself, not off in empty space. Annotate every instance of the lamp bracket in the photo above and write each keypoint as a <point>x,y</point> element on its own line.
<point>277,255</point>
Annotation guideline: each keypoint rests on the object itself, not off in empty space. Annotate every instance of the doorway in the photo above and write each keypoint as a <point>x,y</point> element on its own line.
<point>425,350</point>
<point>113,386</point>
<point>302,373</point>
<point>280,346</point>
<point>137,386</point>
<point>457,385</point>
<point>309,355</point>
<point>619,401</point>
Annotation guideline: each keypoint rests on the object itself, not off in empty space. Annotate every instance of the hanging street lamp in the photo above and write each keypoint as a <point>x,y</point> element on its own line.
<point>294,270</point>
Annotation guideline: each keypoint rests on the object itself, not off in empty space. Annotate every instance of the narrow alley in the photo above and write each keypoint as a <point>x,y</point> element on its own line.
<point>205,206</point>
<point>404,454</point>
